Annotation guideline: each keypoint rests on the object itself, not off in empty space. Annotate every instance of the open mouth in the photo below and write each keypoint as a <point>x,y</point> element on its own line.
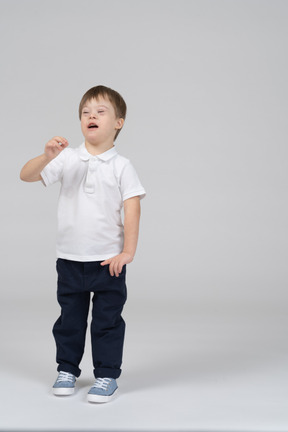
<point>92,125</point>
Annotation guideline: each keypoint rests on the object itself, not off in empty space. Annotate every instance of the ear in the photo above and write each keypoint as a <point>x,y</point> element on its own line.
<point>119,123</point>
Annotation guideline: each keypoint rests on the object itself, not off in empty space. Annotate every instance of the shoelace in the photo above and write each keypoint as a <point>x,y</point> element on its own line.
<point>65,376</point>
<point>102,383</point>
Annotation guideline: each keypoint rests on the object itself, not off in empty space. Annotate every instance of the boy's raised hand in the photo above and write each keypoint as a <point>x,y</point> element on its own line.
<point>31,171</point>
<point>55,146</point>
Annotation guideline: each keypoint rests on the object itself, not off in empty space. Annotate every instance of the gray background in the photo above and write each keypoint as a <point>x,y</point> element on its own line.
<point>206,87</point>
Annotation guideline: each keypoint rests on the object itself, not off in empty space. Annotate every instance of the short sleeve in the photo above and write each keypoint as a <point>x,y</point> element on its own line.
<point>130,184</point>
<point>53,170</point>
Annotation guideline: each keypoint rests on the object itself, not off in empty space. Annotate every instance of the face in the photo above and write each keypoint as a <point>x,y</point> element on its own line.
<point>99,123</point>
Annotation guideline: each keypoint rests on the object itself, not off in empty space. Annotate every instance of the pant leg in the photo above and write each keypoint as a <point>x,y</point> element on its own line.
<point>70,329</point>
<point>108,326</point>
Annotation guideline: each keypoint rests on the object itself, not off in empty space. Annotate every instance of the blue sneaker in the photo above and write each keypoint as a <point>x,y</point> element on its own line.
<point>65,384</point>
<point>103,390</point>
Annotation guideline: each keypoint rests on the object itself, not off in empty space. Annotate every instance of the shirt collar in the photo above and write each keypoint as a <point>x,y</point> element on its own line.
<point>105,156</point>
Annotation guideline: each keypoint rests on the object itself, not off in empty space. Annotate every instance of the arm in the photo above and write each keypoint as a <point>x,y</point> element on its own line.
<point>32,169</point>
<point>131,231</point>
<point>131,225</point>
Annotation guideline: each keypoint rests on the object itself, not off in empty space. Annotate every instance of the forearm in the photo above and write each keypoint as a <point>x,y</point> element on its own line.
<point>131,229</point>
<point>32,169</point>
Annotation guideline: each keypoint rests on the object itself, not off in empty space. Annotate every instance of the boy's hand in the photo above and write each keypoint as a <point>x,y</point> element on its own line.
<point>116,263</point>
<point>55,146</point>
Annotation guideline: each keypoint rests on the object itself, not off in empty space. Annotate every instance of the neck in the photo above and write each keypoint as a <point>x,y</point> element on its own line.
<point>96,149</point>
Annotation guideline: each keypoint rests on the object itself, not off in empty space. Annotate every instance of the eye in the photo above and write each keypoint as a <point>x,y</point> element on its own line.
<point>101,111</point>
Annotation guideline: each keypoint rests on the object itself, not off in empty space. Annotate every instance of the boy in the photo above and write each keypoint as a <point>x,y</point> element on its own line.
<point>93,246</point>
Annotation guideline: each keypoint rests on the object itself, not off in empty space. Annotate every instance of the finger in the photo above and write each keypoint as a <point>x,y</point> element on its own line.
<point>59,147</point>
<point>64,142</point>
<point>111,269</point>
<point>119,269</point>
<point>105,262</point>
<point>61,141</point>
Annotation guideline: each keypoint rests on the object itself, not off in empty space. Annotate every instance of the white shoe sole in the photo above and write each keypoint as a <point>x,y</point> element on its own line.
<point>63,391</point>
<point>99,398</point>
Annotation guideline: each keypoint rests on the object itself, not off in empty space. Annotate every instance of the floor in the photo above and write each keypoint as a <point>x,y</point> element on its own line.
<point>184,369</point>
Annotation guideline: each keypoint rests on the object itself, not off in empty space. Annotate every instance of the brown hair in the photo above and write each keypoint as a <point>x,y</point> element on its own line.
<point>114,97</point>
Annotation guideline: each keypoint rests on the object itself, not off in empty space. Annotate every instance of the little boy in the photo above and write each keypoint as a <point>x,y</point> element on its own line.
<point>93,245</point>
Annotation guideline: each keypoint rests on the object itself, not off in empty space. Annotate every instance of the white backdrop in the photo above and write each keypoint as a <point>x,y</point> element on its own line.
<point>206,88</point>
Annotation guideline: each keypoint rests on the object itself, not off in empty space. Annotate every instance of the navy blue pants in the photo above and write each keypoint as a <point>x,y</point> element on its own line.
<point>76,282</point>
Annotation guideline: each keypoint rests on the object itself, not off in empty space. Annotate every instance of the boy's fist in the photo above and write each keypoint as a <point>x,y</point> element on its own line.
<point>55,146</point>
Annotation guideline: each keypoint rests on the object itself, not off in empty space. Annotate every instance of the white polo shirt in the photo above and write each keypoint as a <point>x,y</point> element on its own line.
<point>93,189</point>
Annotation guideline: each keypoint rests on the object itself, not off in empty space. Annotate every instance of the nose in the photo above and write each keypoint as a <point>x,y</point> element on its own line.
<point>93,115</point>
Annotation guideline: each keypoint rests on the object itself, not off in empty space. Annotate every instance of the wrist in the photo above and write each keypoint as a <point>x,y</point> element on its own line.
<point>46,159</point>
<point>48,156</point>
<point>130,254</point>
